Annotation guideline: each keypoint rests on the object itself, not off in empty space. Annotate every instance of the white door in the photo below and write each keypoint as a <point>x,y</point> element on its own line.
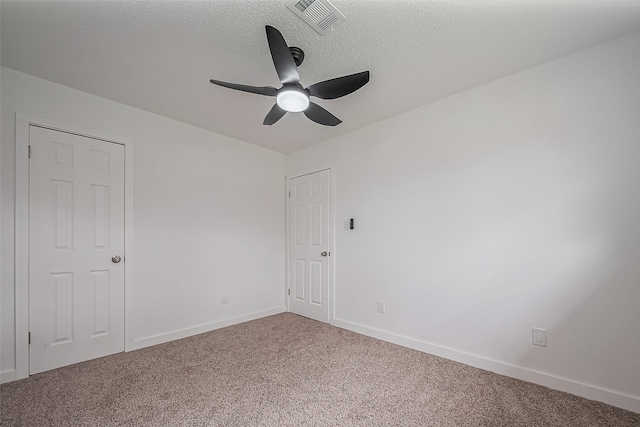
<point>76,220</point>
<point>309,245</point>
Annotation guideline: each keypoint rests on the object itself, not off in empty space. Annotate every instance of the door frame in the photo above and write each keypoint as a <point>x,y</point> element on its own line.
<point>332,234</point>
<point>21,307</point>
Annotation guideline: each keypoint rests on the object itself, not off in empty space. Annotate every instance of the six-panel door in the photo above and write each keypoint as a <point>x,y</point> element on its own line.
<point>76,291</point>
<point>309,245</point>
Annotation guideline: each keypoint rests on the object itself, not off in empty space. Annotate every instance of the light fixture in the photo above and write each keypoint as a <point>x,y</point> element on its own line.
<point>292,100</point>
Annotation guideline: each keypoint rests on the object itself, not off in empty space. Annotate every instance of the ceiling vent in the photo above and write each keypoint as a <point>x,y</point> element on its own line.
<point>321,15</point>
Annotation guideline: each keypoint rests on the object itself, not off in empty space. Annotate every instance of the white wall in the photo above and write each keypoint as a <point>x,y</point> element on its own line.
<point>509,206</point>
<point>208,215</point>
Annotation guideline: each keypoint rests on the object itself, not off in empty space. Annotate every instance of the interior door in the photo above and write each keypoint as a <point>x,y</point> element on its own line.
<point>309,245</point>
<point>76,248</point>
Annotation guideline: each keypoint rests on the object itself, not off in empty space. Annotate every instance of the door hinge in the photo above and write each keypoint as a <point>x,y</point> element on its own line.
<point>29,337</point>
<point>29,150</point>
<point>289,193</point>
<point>289,291</point>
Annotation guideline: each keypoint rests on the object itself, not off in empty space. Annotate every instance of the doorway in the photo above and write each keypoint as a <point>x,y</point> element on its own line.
<point>76,248</point>
<point>309,245</point>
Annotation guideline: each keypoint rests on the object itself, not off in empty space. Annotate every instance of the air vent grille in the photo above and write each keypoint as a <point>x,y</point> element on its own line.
<point>321,15</point>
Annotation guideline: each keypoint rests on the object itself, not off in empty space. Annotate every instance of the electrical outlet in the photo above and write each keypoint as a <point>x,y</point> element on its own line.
<point>224,300</point>
<point>539,337</point>
<point>381,307</point>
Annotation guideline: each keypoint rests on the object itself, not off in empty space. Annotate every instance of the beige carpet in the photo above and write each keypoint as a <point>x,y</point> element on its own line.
<point>286,370</point>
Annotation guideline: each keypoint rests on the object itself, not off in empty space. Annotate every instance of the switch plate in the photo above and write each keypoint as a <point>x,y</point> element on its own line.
<point>381,307</point>
<point>539,337</point>
<point>224,300</point>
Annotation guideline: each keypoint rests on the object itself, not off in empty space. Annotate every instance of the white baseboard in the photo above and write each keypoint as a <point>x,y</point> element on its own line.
<point>611,397</point>
<point>7,376</point>
<point>199,329</point>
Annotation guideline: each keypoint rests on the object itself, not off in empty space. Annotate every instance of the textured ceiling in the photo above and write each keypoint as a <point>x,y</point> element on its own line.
<point>160,55</point>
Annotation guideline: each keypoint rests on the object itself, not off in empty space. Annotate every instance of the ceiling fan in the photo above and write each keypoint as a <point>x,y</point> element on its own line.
<point>292,97</point>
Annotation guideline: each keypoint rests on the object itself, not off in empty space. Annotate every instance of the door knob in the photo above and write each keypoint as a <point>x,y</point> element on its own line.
<point>116,259</point>
<point>324,253</point>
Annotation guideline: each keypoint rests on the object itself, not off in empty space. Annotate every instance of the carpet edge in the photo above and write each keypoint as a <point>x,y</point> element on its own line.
<point>588,391</point>
<point>149,341</point>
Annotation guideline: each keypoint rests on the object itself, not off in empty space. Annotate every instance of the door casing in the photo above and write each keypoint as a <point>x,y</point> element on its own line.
<point>23,122</point>
<point>332,234</point>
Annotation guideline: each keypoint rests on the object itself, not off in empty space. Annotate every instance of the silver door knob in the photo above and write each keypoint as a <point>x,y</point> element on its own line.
<point>324,254</point>
<point>116,259</point>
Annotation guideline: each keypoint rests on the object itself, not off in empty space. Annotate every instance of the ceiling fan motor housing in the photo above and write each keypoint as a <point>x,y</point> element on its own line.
<point>298,55</point>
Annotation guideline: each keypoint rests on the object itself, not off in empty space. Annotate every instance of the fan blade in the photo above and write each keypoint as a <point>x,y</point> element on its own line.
<point>274,115</point>
<point>321,116</point>
<point>260,90</point>
<point>340,86</point>
<point>282,59</point>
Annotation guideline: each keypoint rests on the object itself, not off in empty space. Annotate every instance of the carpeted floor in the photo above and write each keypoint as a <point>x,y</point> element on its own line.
<point>286,370</point>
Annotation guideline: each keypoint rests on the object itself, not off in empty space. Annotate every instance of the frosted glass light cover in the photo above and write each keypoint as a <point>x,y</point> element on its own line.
<point>292,100</point>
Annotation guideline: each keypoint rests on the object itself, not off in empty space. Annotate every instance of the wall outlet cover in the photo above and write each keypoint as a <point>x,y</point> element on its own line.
<point>539,337</point>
